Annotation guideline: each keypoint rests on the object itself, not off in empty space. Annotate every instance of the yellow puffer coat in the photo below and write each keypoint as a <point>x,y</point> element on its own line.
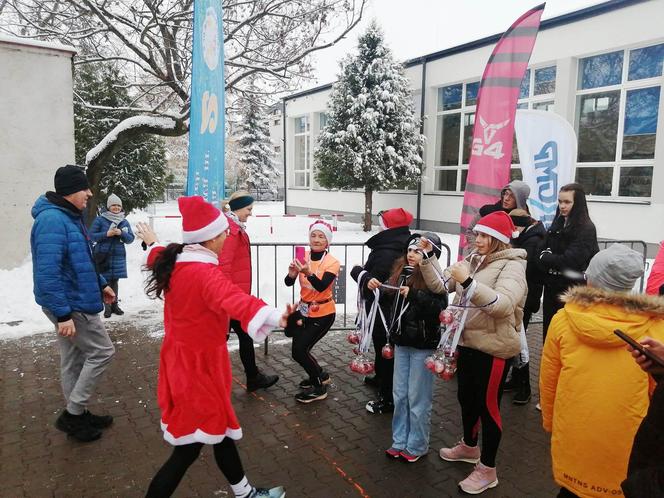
<point>593,395</point>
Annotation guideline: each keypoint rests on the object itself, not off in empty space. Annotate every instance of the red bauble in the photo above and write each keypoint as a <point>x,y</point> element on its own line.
<point>430,363</point>
<point>387,352</point>
<point>439,365</point>
<point>446,317</point>
<point>353,337</point>
<point>368,367</point>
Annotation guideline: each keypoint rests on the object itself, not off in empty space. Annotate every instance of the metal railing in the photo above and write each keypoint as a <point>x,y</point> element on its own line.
<point>269,272</point>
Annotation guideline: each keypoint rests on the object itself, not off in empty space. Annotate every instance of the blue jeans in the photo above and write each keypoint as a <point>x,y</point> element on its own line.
<point>413,396</point>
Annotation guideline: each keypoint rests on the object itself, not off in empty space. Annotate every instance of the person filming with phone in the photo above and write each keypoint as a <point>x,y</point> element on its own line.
<point>593,395</point>
<point>316,271</point>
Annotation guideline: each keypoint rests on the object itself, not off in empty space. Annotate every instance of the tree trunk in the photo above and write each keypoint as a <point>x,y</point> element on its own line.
<point>95,168</point>
<point>367,210</point>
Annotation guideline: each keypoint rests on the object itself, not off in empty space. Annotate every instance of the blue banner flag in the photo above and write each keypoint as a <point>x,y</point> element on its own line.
<point>205,172</point>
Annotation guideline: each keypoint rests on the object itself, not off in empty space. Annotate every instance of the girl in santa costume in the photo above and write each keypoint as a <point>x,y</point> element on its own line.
<point>316,310</point>
<point>494,277</point>
<point>195,378</point>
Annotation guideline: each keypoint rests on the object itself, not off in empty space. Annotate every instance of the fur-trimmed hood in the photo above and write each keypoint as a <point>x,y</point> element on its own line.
<point>595,313</point>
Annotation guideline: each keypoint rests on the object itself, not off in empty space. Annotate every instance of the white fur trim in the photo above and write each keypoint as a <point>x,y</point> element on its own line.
<point>199,436</point>
<point>263,323</point>
<point>493,232</point>
<point>208,232</point>
<point>196,253</point>
<point>381,224</point>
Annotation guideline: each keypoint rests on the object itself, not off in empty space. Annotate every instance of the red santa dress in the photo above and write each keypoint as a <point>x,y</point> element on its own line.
<point>195,378</point>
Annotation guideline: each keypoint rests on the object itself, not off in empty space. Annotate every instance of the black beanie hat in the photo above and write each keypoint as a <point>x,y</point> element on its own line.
<point>70,179</point>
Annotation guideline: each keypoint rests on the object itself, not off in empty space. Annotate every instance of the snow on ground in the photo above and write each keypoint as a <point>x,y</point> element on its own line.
<point>21,316</point>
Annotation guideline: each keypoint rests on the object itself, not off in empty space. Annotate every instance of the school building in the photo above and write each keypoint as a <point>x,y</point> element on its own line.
<point>599,67</point>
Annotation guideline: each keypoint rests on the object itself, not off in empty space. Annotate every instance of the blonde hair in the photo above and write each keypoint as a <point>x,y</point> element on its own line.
<point>240,193</point>
<point>497,245</point>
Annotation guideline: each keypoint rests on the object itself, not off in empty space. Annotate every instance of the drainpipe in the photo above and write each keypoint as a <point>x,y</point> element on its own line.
<point>419,182</point>
<point>283,144</point>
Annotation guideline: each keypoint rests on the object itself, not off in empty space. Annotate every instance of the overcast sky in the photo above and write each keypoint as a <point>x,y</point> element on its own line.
<point>418,27</point>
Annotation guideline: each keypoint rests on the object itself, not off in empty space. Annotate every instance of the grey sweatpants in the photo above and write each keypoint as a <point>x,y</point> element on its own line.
<point>83,358</point>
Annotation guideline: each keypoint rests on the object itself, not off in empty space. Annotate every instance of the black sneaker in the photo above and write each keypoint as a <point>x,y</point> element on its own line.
<point>380,406</point>
<point>277,492</point>
<point>313,394</point>
<point>324,378</point>
<point>261,381</point>
<point>107,311</point>
<point>77,426</point>
<point>116,309</point>
<point>98,421</point>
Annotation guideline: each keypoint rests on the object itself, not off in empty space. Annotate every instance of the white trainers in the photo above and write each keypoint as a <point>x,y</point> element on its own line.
<point>461,453</point>
<point>479,480</point>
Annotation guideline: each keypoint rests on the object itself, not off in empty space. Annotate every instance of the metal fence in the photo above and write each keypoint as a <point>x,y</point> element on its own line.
<point>270,266</point>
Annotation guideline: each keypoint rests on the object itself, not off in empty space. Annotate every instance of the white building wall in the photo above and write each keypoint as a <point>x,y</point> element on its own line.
<point>563,45</point>
<point>36,134</point>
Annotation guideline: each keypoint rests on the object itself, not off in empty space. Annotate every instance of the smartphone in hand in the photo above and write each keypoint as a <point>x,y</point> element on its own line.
<point>640,348</point>
<point>299,254</point>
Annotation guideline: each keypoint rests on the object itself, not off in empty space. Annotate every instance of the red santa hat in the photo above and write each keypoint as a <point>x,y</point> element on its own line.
<point>394,218</point>
<point>499,225</point>
<point>201,221</point>
<point>322,226</point>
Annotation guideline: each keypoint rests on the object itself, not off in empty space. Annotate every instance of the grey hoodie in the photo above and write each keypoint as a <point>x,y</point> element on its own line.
<point>521,191</point>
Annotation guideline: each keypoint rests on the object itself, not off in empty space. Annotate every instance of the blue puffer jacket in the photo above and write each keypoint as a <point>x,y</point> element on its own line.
<point>117,262</point>
<point>63,272</point>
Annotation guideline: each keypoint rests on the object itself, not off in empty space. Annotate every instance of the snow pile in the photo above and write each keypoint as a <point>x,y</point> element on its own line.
<point>21,316</point>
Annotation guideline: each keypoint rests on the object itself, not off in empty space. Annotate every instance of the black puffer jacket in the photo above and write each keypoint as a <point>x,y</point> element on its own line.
<point>572,248</point>
<point>532,241</point>
<point>419,326</point>
<point>386,247</point>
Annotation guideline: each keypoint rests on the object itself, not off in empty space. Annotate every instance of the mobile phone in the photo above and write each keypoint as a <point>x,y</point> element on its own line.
<point>640,348</point>
<point>299,254</point>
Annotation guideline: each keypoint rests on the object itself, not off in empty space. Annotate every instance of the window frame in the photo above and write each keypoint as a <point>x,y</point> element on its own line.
<point>625,86</point>
<point>306,134</point>
<point>467,110</point>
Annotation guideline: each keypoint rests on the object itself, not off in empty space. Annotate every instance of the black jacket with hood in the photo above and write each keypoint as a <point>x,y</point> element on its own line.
<point>532,240</point>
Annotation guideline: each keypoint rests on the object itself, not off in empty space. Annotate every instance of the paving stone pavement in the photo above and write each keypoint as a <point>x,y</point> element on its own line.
<point>331,448</point>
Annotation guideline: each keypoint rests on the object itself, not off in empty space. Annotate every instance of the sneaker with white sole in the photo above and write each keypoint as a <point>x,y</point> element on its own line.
<point>461,453</point>
<point>479,480</point>
<point>277,492</point>
<point>315,393</point>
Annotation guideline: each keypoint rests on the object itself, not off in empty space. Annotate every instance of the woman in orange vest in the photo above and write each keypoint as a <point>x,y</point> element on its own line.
<point>316,310</point>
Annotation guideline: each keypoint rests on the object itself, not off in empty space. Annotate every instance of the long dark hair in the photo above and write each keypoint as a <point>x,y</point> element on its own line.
<point>579,215</point>
<point>416,279</point>
<point>161,270</point>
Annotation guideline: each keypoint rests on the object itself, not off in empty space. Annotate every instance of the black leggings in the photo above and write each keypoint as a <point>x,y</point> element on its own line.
<point>168,477</point>
<point>550,306</point>
<point>312,331</point>
<point>481,378</point>
<point>247,353</point>
<point>384,367</point>
<point>113,284</point>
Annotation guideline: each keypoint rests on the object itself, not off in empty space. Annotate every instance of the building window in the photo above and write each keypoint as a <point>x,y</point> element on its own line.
<point>322,120</point>
<point>302,148</point>
<point>456,120</point>
<point>617,106</point>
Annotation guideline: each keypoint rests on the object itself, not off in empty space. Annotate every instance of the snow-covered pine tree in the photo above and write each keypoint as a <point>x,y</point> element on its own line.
<point>371,140</point>
<point>256,153</point>
<point>137,173</point>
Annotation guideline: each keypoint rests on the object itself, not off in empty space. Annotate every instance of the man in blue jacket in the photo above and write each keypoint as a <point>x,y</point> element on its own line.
<point>71,294</point>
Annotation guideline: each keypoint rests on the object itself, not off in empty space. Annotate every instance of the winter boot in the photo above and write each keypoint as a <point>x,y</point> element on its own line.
<point>78,427</point>
<point>116,309</point>
<point>107,311</point>
<point>522,395</point>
